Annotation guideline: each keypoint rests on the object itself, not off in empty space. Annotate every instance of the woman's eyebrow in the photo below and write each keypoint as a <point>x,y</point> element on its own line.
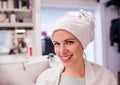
<point>54,41</point>
<point>70,39</point>
<point>66,39</point>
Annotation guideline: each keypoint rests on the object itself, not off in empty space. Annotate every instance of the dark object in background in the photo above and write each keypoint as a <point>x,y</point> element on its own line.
<point>113,2</point>
<point>25,3</point>
<point>119,78</point>
<point>11,52</point>
<point>98,1</point>
<point>48,46</point>
<point>16,4</point>
<point>50,55</point>
<point>115,32</point>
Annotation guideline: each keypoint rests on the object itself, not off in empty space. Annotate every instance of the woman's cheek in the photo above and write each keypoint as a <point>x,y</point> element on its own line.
<point>56,50</point>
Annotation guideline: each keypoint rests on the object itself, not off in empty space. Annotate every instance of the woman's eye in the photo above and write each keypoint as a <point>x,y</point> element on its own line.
<point>69,42</point>
<point>56,44</point>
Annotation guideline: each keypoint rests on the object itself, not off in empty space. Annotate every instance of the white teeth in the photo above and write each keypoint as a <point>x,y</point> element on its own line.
<point>66,57</point>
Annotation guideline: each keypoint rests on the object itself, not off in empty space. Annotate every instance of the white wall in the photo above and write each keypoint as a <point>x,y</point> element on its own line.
<point>111,55</point>
<point>36,39</point>
<point>68,2</point>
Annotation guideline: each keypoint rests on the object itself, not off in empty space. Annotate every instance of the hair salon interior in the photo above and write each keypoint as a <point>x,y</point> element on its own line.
<point>25,28</point>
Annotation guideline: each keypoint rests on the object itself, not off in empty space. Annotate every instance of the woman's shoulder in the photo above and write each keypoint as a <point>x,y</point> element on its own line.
<point>54,69</point>
<point>102,75</point>
<point>49,74</point>
<point>99,68</point>
<point>101,71</point>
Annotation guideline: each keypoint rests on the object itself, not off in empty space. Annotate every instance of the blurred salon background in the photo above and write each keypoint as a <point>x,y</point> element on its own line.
<point>25,29</point>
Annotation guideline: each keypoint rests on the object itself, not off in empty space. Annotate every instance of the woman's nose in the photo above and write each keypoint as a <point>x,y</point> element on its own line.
<point>63,49</point>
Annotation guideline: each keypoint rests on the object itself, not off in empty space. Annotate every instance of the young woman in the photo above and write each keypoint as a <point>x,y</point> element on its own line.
<point>70,38</point>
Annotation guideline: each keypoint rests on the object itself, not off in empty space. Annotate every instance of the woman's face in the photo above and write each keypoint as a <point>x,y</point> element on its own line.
<point>67,47</point>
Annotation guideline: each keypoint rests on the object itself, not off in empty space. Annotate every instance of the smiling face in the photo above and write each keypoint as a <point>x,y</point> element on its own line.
<point>67,47</point>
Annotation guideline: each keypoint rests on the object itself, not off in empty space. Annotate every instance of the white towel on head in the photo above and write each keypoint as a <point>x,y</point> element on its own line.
<point>82,27</point>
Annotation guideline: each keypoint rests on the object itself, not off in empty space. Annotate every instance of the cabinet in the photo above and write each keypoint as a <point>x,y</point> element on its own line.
<point>16,16</point>
<point>27,18</point>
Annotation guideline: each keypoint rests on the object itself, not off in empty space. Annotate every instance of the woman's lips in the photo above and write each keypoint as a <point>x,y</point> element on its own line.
<point>67,58</point>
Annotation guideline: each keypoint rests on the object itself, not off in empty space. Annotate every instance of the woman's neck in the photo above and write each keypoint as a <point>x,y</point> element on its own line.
<point>76,70</point>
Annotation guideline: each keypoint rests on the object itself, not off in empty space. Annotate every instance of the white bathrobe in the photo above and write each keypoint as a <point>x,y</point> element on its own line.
<point>94,75</point>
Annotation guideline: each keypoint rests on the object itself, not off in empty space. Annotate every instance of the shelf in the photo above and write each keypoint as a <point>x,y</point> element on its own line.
<point>15,10</point>
<point>16,24</point>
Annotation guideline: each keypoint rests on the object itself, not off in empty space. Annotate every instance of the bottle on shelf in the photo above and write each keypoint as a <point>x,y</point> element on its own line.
<point>20,4</point>
<point>16,4</point>
<point>5,18</point>
<point>1,17</point>
<point>13,17</point>
<point>4,4</point>
<point>30,50</point>
<point>30,4</point>
<point>0,4</point>
<point>10,4</point>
